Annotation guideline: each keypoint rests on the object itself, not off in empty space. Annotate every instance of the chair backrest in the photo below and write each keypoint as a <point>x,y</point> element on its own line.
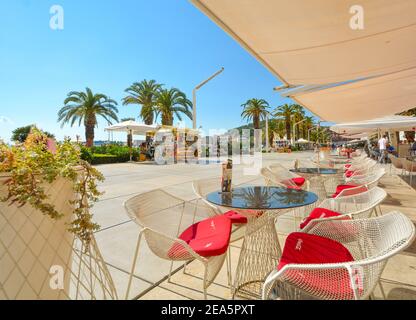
<point>409,165</point>
<point>380,237</point>
<point>370,179</point>
<point>282,172</point>
<point>271,178</point>
<point>396,162</point>
<point>356,206</point>
<point>164,217</point>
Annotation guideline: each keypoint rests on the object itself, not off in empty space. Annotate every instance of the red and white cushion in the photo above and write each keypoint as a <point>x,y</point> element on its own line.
<point>349,173</point>
<point>304,248</point>
<point>294,182</point>
<point>318,213</point>
<point>235,217</point>
<point>209,237</point>
<point>341,188</point>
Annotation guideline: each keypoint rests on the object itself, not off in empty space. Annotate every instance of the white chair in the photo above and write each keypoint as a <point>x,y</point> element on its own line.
<point>371,242</point>
<point>356,206</point>
<point>202,188</point>
<point>409,167</point>
<point>285,177</point>
<point>163,218</point>
<point>371,179</point>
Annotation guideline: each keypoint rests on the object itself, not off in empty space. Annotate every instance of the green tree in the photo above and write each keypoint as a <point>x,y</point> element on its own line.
<point>299,115</point>
<point>286,111</point>
<point>256,110</point>
<point>306,125</point>
<point>170,103</point>
<point>85,107</point>
<point>144,93</point>
<point>20,134</point>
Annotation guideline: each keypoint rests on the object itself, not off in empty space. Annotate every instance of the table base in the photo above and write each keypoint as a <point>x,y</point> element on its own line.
<point>259,255</point>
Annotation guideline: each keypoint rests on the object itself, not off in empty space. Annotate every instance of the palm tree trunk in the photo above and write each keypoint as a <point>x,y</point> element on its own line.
<point>256,123</point>
<point>89,135</point>
<point>129,140</point>
<point>288,135</point>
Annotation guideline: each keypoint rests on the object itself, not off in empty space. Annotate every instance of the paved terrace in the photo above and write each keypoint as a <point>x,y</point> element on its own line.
<point>118,235</point>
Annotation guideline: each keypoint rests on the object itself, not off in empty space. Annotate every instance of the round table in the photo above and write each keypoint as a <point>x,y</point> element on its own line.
<point>321,180</point>
<point>260,251</point>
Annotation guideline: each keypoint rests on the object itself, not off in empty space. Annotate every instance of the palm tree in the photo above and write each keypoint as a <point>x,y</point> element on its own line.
<point>307,124</point>
<point>170,103</point>
<point>285,111</point>
<point>255,109</point>
<point>84,107</point>
<point>129,135</point>
<point>144,93</point>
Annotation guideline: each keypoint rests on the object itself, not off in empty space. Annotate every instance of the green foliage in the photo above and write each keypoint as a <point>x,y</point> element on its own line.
<point>84,108</point>
<point>32,164</point>
<point>86,154</point>
<point>20,134</point>
<point>113,153</point>
<point>256,110</point>
<point>172,102</point>
<point>144,93</point>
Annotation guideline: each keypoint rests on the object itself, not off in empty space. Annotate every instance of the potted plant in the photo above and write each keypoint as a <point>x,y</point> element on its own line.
<point>46,192</point>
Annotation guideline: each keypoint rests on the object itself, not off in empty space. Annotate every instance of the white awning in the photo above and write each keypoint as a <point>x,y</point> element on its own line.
<point>312,42</point>
<point>398,123</point>
<point>133,126</point>
<point>366,99</point>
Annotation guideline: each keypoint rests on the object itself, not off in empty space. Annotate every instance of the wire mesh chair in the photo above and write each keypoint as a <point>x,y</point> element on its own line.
<point>283,176</point>
<point>409,167</point>
<point>356,206</point>
<point>163,217</point>
<point>371,243</point>
<point>395,162</point>
<point>370,180</point>
<point>361,170</point>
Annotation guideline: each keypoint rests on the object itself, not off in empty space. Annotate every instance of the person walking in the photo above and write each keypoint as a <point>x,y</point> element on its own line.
<point>382,146</point>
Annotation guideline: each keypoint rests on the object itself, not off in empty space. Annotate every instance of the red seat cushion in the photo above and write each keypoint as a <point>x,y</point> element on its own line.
<point>304,248</point>
<point>348,165</point>
<point>294,187</point>
<point>299,181</point>
<point>209,237</point>
<point>349,173</point>
<point>235,217</point>
<point>342,187</point>
<point>318,213</point>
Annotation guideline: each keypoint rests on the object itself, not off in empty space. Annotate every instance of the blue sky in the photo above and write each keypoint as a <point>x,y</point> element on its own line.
<point>108,44</point>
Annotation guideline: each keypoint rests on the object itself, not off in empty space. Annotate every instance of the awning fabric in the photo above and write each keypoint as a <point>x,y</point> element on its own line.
<point>133,126</point>
<point>312,42</point>
<point>366,99</point>
<point>398,123</point>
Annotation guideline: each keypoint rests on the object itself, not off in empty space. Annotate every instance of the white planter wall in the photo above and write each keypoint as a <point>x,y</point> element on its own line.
<point>30,243</point>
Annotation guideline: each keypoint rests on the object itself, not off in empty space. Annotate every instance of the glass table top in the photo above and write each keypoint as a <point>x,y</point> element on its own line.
<point>315,170</point>
<point>262,198</point>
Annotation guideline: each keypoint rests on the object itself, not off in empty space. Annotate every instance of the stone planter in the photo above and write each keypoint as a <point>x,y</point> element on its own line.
<point>34,248</point>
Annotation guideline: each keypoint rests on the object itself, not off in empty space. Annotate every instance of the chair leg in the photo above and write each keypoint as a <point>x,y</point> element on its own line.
<point>204,285</point>
<point>133,267</point>
<point>229,277</point>
<point>170,270</point>
<point>382,290</point>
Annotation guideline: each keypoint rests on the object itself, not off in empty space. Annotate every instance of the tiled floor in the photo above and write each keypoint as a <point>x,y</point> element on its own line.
<point>118,235</point>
